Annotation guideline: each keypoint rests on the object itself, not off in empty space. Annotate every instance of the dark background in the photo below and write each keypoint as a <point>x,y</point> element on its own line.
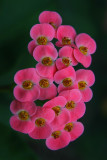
<point>16,19</point>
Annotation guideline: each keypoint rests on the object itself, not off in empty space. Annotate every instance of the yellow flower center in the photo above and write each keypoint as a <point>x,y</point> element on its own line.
<point>82,85</point>
<point>47,61</point>
<point>23,115</point>
<point>67,82</point>
<point>56,134</point>
<point>83,50</point>
<point>70,105</point>
<point>57,110</point>
<point>40,122</point>
<point>53,25</point>
<point>44,83</point>
<point>42,40</point>
<point>66,40</point>
<point>68,127</point>
<point>27,84</point>
<point>66,61</point>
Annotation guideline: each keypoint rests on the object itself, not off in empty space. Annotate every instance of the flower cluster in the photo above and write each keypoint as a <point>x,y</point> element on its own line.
<point>54,79</point>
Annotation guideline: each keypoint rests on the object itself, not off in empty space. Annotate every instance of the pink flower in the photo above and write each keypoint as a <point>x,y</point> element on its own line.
<point>65,35</point>
<point>58,139</point>
<point>65,78</point>
<point>21,121</point>
<point>66,58</point>
<point>75,129</point>
<point>86,46</point>
<point>41,34</point>
<point>26,90</point>
<point>45,55</point>
<point>74,104</point>
<point>53,18</point>
<point>84,80</point>
<point>32,45</point>
<point>47,89</point>
<point>62,115</point>
<point>42,120</point>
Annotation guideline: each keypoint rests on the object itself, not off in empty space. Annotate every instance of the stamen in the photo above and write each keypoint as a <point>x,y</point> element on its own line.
<point>53,25</point>
<point>67,82</point>
<point>27,84</point>
<point>57,110</point>
<point>40,122</point>
<point>56,134</point>
<point>70,105</point>
<point>42,40</point>
<point>83,50</point>
<point>68,127</point>
<point>44,83</point>
<point>66,40</point>
<point>66,61</point>
<point>23,115</point>
<point>47,61</point>
<point>82,85</point>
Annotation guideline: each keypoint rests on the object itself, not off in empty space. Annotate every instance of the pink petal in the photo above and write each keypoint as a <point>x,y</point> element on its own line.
<point>26,74</point>
<point>42,51</point>
<point>66,31</point>
<point>72,95</point>
<point>59,64</point>
<point>85,60</point>
<point>45,113</point>
<point>59,44</point>
<point>77,131</point>
<point>46,71</point>
<point>78,111</point>
<point>61,119</point>
<point>42,30</point>
<point>16,106</point>
<point>23,95</point>
<point>67,51</point>
<point>85,40</point>
<point>85,75</point>
<point>49,16</point>
<point>50,78</point>
<point>87,94</point>
<point>58,143</point>
<point>41,132</point>
<point>48,93</point>
<point>21,126</point>
<point>68,72</point>
<point>57,101</point>
<point>31,46</point>
<point>61,88</point>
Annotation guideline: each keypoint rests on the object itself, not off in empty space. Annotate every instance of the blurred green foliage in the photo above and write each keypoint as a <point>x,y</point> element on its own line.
<point>16,19</point>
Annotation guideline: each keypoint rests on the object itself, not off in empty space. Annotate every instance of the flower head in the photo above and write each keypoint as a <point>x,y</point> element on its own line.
<point>65,78</point>
<point>21,121</point>
<point>53,18</point>
<point>65,35</point>
<point>85,47</point>
<point>84,80</point>
<point>26,89</point>
<point>66,58</point>
<point>48,90</point>
<point>58,139</point>
<point>42,33</point>
<point>75,129</point>
<point>42,120</point>
<point>46,56</point>
<point>61,114</point>
<point>74,104</point>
